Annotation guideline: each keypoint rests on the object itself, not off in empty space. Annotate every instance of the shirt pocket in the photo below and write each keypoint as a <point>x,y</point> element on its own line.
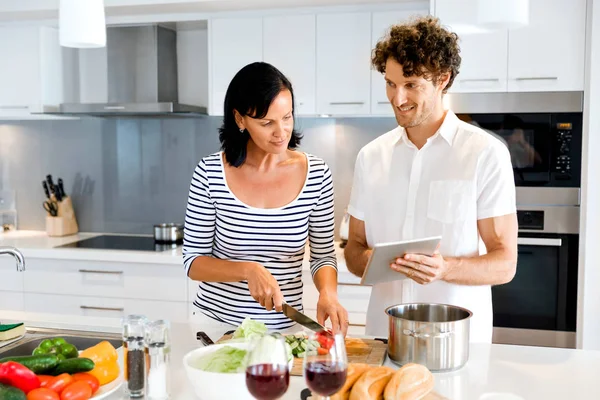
<point>450,200</point>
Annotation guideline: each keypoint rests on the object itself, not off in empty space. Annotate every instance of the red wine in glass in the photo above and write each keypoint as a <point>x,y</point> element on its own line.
<point>325,377</point>
<point>267,381</point>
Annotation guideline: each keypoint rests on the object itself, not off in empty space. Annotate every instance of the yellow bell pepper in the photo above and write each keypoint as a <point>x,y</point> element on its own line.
<point>105,357</point>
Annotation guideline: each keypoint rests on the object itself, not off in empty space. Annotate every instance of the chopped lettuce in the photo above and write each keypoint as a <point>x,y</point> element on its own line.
<point>227,359</point>
<point>250,329</point>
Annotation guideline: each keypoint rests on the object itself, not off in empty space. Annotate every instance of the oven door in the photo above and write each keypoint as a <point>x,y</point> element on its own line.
<point>539,306</point>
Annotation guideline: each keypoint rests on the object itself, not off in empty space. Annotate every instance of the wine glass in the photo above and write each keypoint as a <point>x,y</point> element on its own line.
<point>267,371</point>
<point>326,368</point>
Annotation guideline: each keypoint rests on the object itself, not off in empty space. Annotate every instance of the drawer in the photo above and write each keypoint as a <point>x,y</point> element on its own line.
<point>105,307</point>
<point>102,279</point>
<point>12,301</point>
<point>10,278</point>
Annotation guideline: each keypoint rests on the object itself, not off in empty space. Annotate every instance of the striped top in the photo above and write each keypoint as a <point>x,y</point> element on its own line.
<point>218,224</point>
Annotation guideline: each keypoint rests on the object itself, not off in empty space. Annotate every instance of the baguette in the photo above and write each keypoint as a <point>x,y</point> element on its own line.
<point>371,384</point>
<point>411,382</point>
<point>355,370</point>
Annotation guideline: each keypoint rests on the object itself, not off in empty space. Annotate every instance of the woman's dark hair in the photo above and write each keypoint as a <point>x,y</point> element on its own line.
<point>251,92</point>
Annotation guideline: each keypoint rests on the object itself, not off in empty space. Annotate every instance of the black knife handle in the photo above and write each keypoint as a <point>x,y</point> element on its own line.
<point>203,337</point>
<point>46,190</point>
<point>61,188</point>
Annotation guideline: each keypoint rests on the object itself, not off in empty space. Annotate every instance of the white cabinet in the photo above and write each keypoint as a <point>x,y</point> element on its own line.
<point>381,23</point>
<point>233,43</point>
<point>289,45</point>
<point>546,55</point>
<point>31,70</point>
<point>343,63</point>
<point>484,67</point>
<point>549,54</point>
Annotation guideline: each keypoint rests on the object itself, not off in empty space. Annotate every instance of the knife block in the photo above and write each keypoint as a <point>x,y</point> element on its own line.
<point>65,222</point>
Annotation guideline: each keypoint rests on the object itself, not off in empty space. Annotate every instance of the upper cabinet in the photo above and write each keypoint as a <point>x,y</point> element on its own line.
<point>546,55</point>
<point>381,23</point>
<point>289,45</point>
<point>234,43</point>
<point>549,54</point>
<point>31,71</point>
<point>343,63</point>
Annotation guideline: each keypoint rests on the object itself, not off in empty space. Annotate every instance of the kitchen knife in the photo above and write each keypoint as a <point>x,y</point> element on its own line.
<point>46,190</point>
<point>302,319</point>
<point>61,188</point>
<point>203,337</point>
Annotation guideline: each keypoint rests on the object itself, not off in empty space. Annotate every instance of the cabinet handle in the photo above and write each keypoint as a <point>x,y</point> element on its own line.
<point>114,107</point>
<point>480,80</point>
<point>383,102</point>
<point>536,78</point>
<point>346,103</point>
<point>93,271</point>
<point>525,241</point>
<point>14,107</point>
<point>353,284</point>
<point>102,308</point>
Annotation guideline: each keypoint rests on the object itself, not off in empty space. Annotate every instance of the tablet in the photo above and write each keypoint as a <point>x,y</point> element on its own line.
<point>378,267</point>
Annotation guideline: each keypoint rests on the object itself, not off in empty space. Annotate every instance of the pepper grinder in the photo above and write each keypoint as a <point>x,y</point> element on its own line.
<point>134,356</point>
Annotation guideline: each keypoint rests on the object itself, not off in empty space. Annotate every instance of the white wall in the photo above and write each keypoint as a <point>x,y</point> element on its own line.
<point>588,324</point>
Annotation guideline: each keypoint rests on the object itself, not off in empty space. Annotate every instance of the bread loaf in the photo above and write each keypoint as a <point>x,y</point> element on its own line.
<point>355,370</point>
<point>371,384</point>
<point>411,382</point>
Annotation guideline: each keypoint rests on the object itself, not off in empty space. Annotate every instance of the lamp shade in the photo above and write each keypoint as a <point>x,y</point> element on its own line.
<point>502,14</point>
<point>82,23</point>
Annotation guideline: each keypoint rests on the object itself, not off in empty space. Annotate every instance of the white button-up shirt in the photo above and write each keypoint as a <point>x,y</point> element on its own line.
<point>462,174</point>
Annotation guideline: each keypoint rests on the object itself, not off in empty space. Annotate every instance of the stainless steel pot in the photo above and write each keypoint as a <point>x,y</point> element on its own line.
<point>168,233</point>
<point>433,335</point>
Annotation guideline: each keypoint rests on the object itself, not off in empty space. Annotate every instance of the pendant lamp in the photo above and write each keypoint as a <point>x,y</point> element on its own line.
<point>82,23</point>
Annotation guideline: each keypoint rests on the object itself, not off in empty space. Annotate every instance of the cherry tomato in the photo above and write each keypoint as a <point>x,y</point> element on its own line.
<point>321,351</point>
<point>58,383</point>
<point>44,379</point>
<point>42,394</point>
<point>90,379</point>
<point>325,340</point>
<point>79,390</point>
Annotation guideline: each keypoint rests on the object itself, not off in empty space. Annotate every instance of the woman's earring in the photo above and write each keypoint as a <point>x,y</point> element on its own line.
<point>242,130</point>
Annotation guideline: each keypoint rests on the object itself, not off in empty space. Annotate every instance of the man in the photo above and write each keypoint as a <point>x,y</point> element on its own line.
<point>432,175</point>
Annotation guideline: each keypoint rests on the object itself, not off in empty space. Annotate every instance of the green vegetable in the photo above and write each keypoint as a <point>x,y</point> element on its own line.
<point>299,345</point>
<point>58,346</point>
<point>40,364</point>
<point>11,393</point>
<point>227,359</point>
<point>73,366</point>
<point>250,329</point>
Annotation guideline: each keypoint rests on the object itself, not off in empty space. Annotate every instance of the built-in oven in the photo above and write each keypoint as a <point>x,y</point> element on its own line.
<point>539,306</point>
<point>543,134</point>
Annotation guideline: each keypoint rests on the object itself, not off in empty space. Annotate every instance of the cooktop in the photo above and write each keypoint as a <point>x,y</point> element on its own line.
<point>118,242</point>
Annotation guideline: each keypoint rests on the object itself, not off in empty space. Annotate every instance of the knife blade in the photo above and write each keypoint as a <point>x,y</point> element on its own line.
<point>302,319</point>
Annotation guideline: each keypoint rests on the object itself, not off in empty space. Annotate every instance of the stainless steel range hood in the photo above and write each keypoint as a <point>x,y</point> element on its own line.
<point>135,75</point>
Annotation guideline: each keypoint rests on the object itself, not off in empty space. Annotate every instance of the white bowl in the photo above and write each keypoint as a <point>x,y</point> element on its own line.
<point>216,385</point>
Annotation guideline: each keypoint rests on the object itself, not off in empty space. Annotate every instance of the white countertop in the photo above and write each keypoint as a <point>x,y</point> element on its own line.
<point>37,244</point>
<point>493,372</point>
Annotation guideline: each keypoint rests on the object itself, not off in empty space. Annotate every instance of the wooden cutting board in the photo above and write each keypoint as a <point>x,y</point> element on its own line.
<point>368,351</point>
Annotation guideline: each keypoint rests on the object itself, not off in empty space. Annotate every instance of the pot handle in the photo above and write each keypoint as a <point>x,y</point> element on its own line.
<point>418,335</point>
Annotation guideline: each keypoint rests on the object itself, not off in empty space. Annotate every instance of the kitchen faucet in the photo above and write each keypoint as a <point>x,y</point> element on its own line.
<point>17,255</point>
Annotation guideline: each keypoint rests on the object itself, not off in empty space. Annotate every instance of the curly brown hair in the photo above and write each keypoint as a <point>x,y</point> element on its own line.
<point>423,47</point>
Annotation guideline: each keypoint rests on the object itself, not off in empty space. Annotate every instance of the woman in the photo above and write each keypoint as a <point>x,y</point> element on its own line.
<point>252,207</point>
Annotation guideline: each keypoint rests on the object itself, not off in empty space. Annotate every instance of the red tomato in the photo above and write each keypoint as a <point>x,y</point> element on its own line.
<point>58,383</point>
<point>44,379</point>
<point>42,394</point>
<point>79,390</point>
<point>89,378</point>
<point>325,340</point>
<point>321,351</point>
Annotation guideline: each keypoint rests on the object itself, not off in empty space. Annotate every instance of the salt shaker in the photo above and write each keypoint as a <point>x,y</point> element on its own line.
<point>135,362</point>
<point>158,350</point>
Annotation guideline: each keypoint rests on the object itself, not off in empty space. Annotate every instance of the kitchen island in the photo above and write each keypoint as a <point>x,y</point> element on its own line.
<point>493,372</point>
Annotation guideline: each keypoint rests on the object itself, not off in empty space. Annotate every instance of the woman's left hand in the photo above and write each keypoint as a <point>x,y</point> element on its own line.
<point>329,307</point>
